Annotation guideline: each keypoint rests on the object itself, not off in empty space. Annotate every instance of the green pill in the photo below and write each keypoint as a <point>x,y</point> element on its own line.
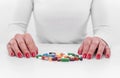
<point>76,55</point>
<point>71,54</point>
<point>65,59</point>
<point>38,56</point>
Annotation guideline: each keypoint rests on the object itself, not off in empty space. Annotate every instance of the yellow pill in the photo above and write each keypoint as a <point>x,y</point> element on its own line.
<point>58,55</point>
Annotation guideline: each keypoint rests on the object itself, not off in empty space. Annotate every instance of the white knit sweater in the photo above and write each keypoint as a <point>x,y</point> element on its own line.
<point>61,21</point>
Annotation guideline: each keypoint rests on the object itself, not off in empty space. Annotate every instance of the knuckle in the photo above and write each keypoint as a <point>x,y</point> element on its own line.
<point>20,42</point>
<point>85,50</point>
<point>28,43</point>
<point>18,35</point>
<point>95,43</point>
<point>102,44</point>
<point>88,37</point>
<point>107,47</point>
<point>13,43</point>
<point>8,47</point>
<point>10,42</point>
<point>96,39</point>
<point>27,35</point>
<point>87,42</point>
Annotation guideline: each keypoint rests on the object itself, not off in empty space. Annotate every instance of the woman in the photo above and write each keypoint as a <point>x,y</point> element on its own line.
<point>60,21</point>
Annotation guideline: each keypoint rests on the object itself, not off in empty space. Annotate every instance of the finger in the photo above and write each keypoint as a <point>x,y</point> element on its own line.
<point>93,47</point>
<point>100,50</point>
<point>15,48</point>
<point>80,50</point>
<point>30,44</point>
<point>11,52</point>
<point>36,50</point>
<point>22,45</point>
<point>86,45</point>
<point>107,52</point>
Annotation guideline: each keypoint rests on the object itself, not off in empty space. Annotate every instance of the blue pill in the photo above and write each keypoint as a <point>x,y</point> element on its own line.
<point>52,55</point>
<point>46,54</point>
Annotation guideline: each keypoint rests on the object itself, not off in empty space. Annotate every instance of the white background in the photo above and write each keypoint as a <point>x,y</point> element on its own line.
<point>7,8</point>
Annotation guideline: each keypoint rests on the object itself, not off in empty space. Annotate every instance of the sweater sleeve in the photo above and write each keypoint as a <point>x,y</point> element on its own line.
<point>99,15</point>
<point>20,18</point>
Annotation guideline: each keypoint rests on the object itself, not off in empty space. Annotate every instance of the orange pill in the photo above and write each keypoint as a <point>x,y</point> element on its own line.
<point>50,59</point>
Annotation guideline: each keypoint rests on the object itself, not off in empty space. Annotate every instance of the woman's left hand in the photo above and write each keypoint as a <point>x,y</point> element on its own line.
<point>94,45</point>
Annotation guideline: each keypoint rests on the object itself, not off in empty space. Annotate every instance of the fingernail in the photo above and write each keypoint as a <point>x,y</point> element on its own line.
<point>107,56</point>
<point>98,56</point>
<point>33,54</point>
<point>11,54</point>
<point>84,55</point>
<point>89,56</point>
<point>27,55</point>
<point>19,55</point>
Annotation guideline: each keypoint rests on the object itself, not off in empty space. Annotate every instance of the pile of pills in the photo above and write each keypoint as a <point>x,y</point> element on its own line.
<point>60,57</point>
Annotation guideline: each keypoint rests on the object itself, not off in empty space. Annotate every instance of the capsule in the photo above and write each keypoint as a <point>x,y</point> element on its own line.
<point>58,59</point>
<point>52,53</point>
<point>65,59</point>
<point>66,56</point>
<point>81,58</point>
<point>59,55</point>
<point>71,54</point>
<point>38,56</point>
<point>76,58</point>
<point>72,59</point>
<point>46,54</point>
<point>62,54</point>
<point>54,59</point>
<point>44,58</point>
<point>50,59</point>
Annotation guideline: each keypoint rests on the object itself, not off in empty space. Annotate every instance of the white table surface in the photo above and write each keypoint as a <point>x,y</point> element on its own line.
<point>12,67</point>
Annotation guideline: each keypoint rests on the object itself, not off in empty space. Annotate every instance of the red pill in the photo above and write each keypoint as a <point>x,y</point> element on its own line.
<point>76,58</point>
<point>54,59</point>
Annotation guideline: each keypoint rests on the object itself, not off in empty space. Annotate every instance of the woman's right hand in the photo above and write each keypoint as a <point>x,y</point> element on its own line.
<point>22,45</point>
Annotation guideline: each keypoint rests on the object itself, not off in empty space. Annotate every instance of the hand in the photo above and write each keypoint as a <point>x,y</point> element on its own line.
<point>22,45</point>
<point>94,45</point>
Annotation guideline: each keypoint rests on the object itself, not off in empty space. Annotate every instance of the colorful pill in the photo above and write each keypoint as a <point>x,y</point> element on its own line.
<point>59,55</point>
<point>50,59</point>
<point>65,59</point>
<point>52,53</point>
<point>72,59</point>
<point>65,56</point>
<point>54,59</point>
<point>58,59</point>
<point>52,56</point>
<point>76,58</point>
<point>46,54</point>
<point>76,55</point>
<point>38,56</point>
<point>71,54</point>
<point>81,58</point>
